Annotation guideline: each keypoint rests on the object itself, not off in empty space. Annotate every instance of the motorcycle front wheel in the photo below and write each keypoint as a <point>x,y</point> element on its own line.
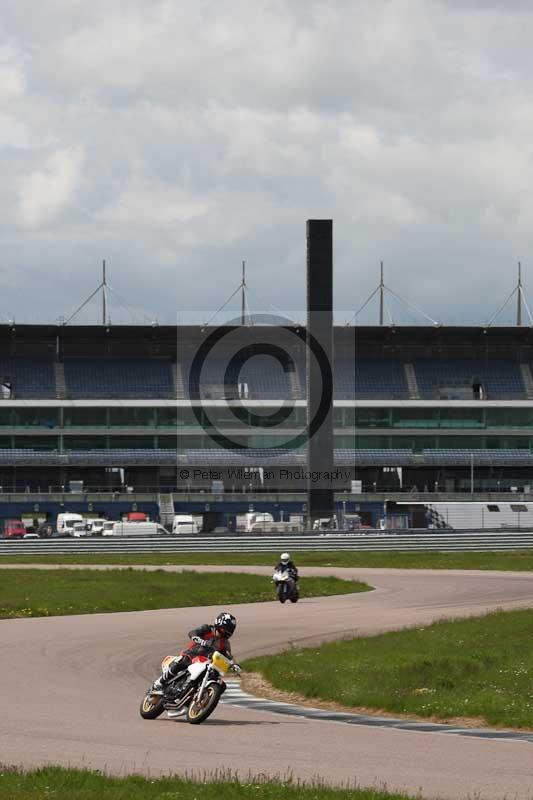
<point>151,706</point>
<point>199,711</point>
<point>282,592</point>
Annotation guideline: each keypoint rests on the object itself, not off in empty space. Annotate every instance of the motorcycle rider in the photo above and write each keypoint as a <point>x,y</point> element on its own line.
<point>204,641</point>
<point>287,564</point>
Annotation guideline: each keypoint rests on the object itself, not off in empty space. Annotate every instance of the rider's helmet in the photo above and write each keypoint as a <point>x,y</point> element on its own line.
<point>285,558</point>
<point>225,624</point>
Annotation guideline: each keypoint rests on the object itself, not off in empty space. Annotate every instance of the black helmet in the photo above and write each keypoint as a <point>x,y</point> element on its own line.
<point>226,623</point>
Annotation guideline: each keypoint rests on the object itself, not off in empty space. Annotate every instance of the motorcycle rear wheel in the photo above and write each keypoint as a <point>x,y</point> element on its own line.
<point>151,706</point>
<point>198,712</point>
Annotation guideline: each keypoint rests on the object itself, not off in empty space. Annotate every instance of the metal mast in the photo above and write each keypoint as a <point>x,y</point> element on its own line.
<point>381,287</point>
<point>243,294</point>
<point>104,293</point>
<point>519,296</point>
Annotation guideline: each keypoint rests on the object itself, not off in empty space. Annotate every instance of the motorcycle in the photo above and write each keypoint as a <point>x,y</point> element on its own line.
<point>286,586</point>
<point>194,692</point>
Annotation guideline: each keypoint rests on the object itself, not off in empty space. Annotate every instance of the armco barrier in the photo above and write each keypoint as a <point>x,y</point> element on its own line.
<point>424,540</point>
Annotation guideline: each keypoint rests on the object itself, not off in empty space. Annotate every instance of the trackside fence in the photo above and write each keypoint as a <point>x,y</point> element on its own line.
<point>443,541</point>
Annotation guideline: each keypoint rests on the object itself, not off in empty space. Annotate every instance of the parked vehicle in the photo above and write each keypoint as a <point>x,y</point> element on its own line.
<point>45,530</point>
<point>185,523</point>
<point>326,524</point>
<point>96,526</point>
<point>13,529</point>
<point>133,529</point>
<point>65,523</point>
<point>135,516</point>
<point>257,521</point>
<point>79,529</point>
<point>286,585</point>
<point>205,682</point>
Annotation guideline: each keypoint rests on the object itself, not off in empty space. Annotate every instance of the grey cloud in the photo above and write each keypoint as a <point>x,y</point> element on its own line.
<point>177,140</point>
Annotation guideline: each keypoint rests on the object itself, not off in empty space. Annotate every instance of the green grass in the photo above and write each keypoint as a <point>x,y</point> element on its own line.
<point>66,784</point>
<point>515,561</point>
<point>38,593</point>
<point>479,667</point>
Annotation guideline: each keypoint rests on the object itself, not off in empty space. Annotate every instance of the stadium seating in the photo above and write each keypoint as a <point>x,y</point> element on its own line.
<point>29,378</point>
<point>450,378</point>
<point>512,457</point>
<point>92,378</point>
<point>365,379</point>
<point>267,457</point>
<point>262,375</point>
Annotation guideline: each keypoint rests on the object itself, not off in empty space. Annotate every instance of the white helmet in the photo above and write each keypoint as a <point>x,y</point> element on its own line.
<point>285,558</point>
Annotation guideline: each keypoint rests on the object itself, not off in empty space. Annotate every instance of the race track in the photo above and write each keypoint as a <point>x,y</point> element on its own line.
<point>72,685</point>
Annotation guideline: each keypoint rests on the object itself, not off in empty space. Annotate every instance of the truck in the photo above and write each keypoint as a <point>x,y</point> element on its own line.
<point>65,523</point>
<point>135,516</point>
<point>133,529</point>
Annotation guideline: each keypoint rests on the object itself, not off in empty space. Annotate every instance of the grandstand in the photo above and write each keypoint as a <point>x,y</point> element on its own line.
<point>122,410</point>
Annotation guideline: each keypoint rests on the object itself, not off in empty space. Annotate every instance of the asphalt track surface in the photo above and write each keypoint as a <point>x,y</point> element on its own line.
<point>71,688</point>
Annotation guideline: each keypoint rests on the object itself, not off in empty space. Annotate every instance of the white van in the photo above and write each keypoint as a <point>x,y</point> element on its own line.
<point>258,521</point>
<point>96,526</point>
<point>185,523</point>
<point>80,529</point>
<point>65,523</point>
<point>133,529</point>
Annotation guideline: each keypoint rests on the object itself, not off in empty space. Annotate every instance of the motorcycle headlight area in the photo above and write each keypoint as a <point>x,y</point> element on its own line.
<point>220,662</point>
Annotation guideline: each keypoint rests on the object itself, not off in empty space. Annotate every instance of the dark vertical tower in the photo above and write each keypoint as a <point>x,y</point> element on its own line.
<point>320,496</point>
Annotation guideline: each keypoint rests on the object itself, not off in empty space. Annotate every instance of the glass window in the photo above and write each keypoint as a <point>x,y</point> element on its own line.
<point>84,443</point>
<point>345,442</point>
<point>371,442</point>
<point>462,417</point>
<point>509,417</point>
<point>167,442</point>
<point>131,442</point>
<point>84,417</point>
<point>368,417</point>
<point>132,417</point>
<point>6,417</point>
<point>167,417</point>
<point>36,442</point>
<point>186,417</point>
<point>461,442</point>
<point>36,417</point>
<point>415,417</point>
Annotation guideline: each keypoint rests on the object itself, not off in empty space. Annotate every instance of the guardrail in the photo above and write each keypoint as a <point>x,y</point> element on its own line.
<point>139,496</point>
<point>437,541</point>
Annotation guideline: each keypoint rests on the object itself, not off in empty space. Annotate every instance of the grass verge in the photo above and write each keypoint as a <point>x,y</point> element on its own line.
<point>65,784</point>
<point>43,593</point>
<point>477,668</point>
<point>515,561</point>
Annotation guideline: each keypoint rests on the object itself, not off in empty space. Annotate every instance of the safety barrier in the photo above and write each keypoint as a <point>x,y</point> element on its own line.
<point>444,541</point>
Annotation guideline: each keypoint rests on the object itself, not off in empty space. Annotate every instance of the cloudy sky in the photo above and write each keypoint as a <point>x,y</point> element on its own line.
<point>175,139</point>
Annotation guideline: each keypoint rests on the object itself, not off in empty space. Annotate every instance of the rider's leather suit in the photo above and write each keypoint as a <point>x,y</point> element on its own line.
<point>204,641</point>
